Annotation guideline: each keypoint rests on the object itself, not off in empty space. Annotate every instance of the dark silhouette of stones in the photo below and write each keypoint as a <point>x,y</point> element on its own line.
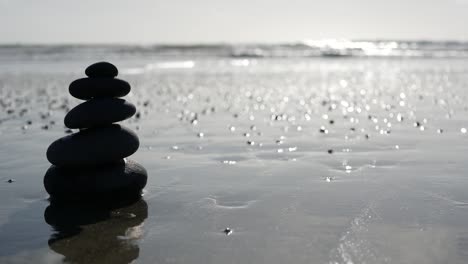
<point>93,146</point>
<point>123,178</point>
<point>90,165</point>
<point>99,111</point>
<point>102,70</point>
<point>87,88</point>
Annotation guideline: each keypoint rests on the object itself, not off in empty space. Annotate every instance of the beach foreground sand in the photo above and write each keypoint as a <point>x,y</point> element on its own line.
<point>306,160</point>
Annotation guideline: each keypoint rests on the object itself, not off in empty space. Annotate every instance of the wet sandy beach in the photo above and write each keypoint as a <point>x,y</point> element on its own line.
<point>305,160</point>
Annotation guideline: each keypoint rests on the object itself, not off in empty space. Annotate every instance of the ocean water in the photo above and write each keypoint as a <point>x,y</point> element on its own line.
<point>316,152</point>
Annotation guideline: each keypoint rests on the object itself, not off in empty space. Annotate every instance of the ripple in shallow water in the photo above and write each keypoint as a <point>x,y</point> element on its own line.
<point>226,203</point>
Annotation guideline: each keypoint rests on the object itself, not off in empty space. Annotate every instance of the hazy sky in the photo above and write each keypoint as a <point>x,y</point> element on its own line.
<point>195,21</point>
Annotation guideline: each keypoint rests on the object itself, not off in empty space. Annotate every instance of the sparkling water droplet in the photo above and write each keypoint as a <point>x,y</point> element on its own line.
<point>348,168</point>
<point>292,149</point>
<point>323,130</point>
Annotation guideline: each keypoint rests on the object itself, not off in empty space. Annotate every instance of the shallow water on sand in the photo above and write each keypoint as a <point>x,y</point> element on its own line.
<point>318,160</point>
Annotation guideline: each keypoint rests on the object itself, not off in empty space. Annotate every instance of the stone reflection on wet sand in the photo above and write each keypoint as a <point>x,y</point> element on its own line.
<point>96,233</point>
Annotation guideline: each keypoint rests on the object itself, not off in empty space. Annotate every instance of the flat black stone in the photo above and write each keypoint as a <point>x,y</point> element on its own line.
<point>99,111</point>
<point>93,146</point>
<point>110,181</point>
<point>101,69</point>
<point>87,88</point>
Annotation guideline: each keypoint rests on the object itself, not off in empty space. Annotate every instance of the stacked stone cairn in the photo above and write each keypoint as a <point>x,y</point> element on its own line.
<point>92,163</point>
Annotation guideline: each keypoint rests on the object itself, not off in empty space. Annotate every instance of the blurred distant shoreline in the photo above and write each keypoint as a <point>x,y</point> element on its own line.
<point>310,48</point>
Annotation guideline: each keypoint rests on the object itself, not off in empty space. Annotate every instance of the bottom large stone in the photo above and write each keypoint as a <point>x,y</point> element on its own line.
<point>110,181</point>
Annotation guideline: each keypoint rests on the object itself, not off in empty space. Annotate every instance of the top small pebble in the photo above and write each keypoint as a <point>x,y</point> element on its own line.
<point>102,70</point>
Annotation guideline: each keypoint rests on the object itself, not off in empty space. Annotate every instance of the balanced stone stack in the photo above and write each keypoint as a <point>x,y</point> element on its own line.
<point>91,163</point>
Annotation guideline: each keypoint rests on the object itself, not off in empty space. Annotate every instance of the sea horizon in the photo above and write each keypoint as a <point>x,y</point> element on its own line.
<point>306,48</point>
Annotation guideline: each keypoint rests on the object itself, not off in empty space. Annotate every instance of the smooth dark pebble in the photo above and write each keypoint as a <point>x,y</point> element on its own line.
<point>101,70</point>
<point>330,151</point>
<point>93,146</point>
<point>99,111</point>
<point>120,178</point>
<point>87,88</point>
